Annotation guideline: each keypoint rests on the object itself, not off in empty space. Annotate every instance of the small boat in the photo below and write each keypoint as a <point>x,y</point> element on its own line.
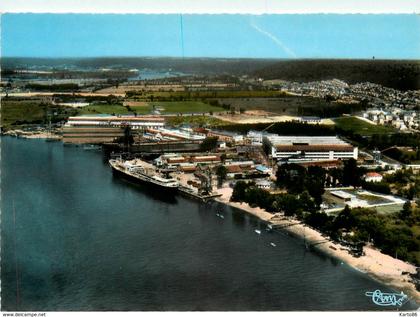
<point>257,231</point>
<point>273,244</point>
<point>221,216</point>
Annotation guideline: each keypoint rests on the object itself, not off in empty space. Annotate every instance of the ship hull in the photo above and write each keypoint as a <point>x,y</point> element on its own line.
<point>145,183</point>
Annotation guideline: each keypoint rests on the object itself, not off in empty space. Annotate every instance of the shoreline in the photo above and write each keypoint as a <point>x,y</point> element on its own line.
<point>381,267</point>
<point>32,134</point>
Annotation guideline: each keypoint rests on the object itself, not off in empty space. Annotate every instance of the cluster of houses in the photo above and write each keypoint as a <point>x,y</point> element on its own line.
<point>340,90</point>
<point>395,117</point>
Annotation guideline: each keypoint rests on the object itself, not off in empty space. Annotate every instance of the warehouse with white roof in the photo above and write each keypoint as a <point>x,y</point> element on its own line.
<point>308,148</point>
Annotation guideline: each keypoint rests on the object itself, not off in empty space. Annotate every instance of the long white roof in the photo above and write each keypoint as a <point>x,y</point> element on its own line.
<point>310,140</point>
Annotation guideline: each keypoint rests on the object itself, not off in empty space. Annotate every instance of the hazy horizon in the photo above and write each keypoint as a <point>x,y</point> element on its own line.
<point>207,58</point>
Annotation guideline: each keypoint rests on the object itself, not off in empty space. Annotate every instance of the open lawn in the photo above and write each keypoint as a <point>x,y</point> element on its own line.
<point>363,128</point>
<point>16,113</point>
<point>165,107</point>
<point>105,109</point>
<point>284,105</point>
<point>185,107</point>
<point>148,95</point>
<point>197,121</point>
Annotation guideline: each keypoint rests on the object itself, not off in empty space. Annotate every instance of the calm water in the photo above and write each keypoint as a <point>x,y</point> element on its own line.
<point>86,240</point>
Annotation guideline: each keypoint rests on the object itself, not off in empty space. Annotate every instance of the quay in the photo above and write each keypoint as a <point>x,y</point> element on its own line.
<point>188,192</point>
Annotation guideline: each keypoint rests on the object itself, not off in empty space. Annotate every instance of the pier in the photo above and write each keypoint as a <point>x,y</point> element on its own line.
<point>187,192</point>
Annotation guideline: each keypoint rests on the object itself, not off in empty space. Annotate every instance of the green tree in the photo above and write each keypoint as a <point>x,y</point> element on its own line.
<point>221,172</point>
<point>287,203</point>
<point>345,219</point>
<point>208,144</point>
<point>291,177</point>
<point>239,189</point>
<point>351,173</point>
<point>405,213</point>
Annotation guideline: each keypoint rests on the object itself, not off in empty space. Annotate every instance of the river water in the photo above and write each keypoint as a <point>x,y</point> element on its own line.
<point>75,237</point>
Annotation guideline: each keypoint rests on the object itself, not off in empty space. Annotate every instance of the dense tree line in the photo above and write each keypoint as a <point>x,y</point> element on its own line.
<point>53,87</point>
<point>332,110</point>
<point>381,141</point>
<point>297,179</point>
<point>379,187</point>
<point>402,156</point>
<point>405,183</point>
<point>401,75</point>
<point>393,234</point>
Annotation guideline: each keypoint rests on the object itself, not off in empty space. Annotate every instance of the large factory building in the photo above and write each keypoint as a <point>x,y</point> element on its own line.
<point>100,129</point>
<point>308,148</point>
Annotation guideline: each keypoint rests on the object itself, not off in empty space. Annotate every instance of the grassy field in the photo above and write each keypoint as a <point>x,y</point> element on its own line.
<point>286,105</point>
<point>196,121</point>
<point>361,127</point>
<point>14,113</point>
<point>104,109</point>
<point>19,113</point>
<point>167,107</point>
<point>185,107</point>
<point>147,96</point>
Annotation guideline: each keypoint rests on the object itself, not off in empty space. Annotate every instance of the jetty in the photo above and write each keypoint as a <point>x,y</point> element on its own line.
<point>190,193</point>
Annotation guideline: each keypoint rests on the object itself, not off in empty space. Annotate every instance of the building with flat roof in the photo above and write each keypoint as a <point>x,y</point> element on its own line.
<point>135,122</point>
<point>308,148</point>
<point>101,129</point>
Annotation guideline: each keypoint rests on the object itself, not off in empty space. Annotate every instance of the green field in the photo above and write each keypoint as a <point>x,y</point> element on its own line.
<point>196,121</point>
<point>174,95</point>
<point>361,127</point>
<point>165,107</point>
<point>104,109</point>
<point>185,107</point>
<point>17,113</point>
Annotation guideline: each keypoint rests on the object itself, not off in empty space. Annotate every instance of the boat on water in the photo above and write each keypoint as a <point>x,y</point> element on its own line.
<point>257,231</point>
<point>137,173</point>
<point>273,244</point>
<point>92,147</point>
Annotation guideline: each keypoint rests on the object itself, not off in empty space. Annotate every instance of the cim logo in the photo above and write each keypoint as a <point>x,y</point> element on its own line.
<point>387,299</point>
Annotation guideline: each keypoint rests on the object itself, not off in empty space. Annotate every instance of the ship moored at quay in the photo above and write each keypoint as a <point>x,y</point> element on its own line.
<point>138,173</point>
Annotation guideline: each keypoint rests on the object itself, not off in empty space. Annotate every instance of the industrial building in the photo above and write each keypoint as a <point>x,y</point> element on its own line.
<point>173,134</point>
<point>308,148</point>
<point>135,122</point>
<point>100,129</point>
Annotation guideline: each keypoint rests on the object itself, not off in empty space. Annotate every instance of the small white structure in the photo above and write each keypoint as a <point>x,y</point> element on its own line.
<point>263,184</point>
<point>343,195</point>
<point>373,177</point>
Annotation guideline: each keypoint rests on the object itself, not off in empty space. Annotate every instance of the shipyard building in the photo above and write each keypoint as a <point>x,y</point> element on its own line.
<point>100,129</point>
<point>308,148</point>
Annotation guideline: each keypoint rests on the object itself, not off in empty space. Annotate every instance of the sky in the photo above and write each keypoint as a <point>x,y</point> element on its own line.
<point>391,36</point>
<point>212,6</point>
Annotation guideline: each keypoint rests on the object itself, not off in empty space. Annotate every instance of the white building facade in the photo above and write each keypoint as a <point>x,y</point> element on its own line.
<point>309,148</point>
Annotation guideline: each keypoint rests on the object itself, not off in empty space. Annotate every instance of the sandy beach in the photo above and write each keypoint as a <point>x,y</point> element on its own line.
<point>377,265</point>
